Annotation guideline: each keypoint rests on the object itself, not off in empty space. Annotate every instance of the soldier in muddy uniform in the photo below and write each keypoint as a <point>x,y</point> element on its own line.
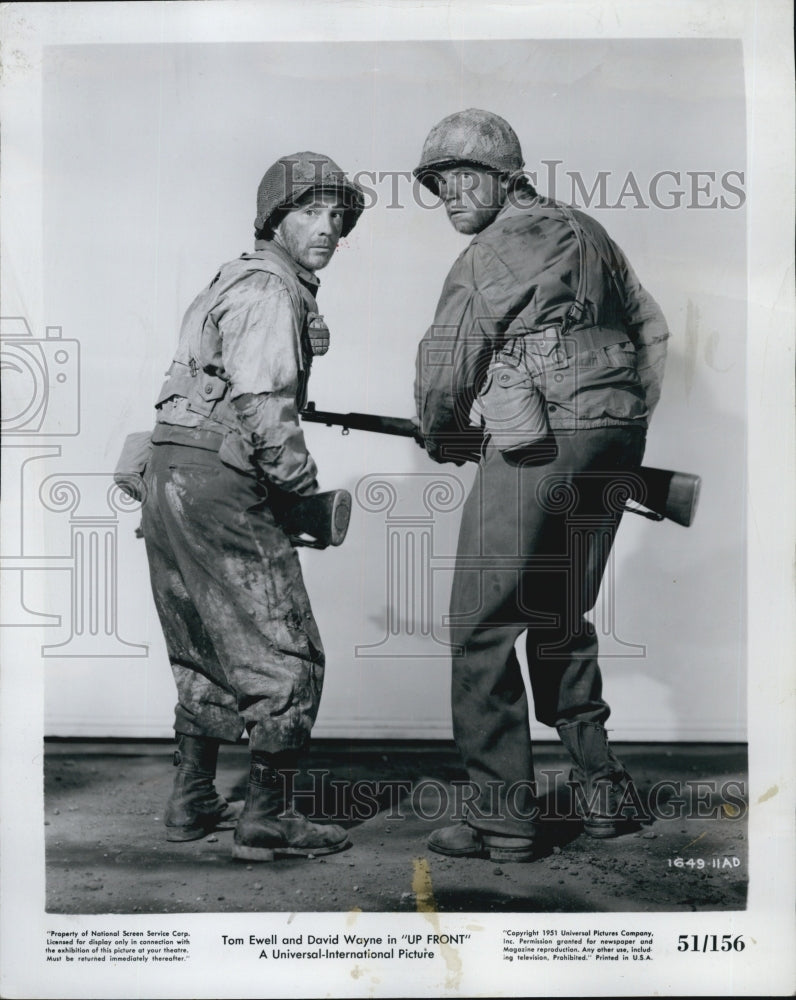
<point>543,325</point>
<point>228,455</point>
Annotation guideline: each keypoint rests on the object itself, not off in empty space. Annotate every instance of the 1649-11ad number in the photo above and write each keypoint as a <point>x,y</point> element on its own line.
<point>700,863</point>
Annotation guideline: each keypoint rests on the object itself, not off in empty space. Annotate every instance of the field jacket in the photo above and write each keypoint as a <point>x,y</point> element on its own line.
<point>239,376</point>
<point>545,286</point>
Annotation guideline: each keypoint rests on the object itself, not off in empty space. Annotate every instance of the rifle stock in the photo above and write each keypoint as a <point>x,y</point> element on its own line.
<point>318,520</point>
<point>654,493</point>
<point>673,495</point>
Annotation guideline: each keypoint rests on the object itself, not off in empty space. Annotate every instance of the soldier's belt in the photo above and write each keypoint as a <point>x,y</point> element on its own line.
<point>573,342</point>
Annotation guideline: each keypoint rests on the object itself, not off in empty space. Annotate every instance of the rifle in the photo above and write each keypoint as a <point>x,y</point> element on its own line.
<point>657,494</point>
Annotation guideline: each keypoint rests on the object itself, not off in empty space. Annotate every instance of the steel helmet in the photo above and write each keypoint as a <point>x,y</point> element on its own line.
<point>474,137</point>
<point>291,177</point>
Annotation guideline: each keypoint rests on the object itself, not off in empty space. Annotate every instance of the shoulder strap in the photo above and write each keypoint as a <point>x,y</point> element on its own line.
<point>602,248</point>
<point>262,260</point>
<point>558,210</point>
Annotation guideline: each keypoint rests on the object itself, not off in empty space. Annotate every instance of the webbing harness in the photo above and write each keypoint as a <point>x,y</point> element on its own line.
<point>203,390</point>
<point>554,341</point>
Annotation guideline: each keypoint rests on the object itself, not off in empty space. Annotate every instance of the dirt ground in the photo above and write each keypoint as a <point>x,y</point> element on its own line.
<point>106,850</point>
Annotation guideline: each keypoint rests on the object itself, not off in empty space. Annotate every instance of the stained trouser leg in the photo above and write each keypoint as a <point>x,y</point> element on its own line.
<point>245,584</point>
<point>206,704</point>
<point>206,711</point>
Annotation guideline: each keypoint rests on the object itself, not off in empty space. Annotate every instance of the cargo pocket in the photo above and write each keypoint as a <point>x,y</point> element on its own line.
<point>619,386</point>
<point>620,356</point>
<point>618,403</point>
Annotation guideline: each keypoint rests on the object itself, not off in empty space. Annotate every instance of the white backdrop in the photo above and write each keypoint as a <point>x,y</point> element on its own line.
<point>152,155</point>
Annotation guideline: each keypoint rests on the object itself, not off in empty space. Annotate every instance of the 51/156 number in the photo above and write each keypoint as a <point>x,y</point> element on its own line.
<point>710,942</point>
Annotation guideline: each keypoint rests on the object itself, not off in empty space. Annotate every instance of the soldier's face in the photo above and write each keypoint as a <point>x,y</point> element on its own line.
<point>310,231</point>
<point>472,197</point>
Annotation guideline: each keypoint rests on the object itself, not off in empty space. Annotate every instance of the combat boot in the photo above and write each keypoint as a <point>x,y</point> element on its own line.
<point>270,825</point>
<point>195,808</point>
<point>463,841</point>
<point>599,780</point>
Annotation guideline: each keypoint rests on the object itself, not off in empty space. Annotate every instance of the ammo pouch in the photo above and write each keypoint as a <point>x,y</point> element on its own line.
<point>512,405</point>
<point>203,391</point>
<point>207,391</point>
<point>129,472</point>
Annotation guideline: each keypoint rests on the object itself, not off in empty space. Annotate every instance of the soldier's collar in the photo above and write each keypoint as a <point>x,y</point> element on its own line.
<point>308,277</point>
<point>514,206</point>
<point>519,202</point>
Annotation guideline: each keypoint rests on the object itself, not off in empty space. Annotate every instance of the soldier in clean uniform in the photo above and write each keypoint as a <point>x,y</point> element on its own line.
<point>228,455</point>
<point>544,336</point>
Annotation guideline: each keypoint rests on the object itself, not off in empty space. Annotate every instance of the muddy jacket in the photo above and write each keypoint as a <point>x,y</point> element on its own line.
<point>240,373</point>
<point>544,285</point>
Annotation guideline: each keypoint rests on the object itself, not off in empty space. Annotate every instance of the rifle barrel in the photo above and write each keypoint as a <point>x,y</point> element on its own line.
<point>400,426</point>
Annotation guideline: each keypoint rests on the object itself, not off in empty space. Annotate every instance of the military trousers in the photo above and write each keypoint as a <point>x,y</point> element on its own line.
<point>534,541</point>
<point>240,634</point>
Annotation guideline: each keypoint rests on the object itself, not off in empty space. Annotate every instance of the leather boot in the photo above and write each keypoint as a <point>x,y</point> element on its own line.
<point>195,808</point>
<point>270,825</point>
<point>462,841</point>
<point>599,778</point>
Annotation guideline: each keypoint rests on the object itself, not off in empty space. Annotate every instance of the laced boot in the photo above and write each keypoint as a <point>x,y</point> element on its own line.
<point>270,825</point>
<point>195,808</point>
<point>599,779</point>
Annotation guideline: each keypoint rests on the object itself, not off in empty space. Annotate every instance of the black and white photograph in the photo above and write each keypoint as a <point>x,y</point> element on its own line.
<point>397,523</point>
